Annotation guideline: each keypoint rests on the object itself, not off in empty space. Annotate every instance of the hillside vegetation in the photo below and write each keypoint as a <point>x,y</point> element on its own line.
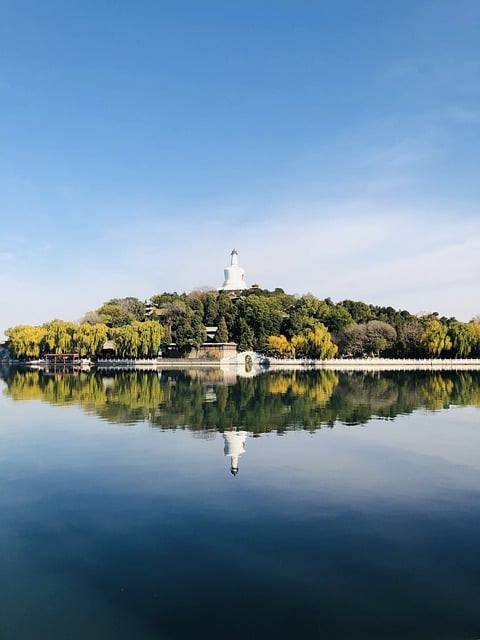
<point>270,322</point>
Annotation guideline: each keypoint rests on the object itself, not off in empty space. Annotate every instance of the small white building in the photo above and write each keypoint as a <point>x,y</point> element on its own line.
<point>234,275</point>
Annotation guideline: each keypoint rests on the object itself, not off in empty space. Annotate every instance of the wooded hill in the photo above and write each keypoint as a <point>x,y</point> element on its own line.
<point>271,322</point>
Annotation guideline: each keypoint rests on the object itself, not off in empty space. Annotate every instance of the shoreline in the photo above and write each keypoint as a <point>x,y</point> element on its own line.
<point>248,360</point>
<point>381,364</point>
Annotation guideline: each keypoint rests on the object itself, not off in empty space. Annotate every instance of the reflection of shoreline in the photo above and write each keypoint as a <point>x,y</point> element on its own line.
<point>219,375</point>
<point>239,368</point>
<point>229,372</point>
<point>275,401</point>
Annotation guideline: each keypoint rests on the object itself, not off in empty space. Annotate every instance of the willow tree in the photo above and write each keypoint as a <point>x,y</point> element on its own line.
<point>151,334</point>
<point>435,339</point>
<point>127,341</point>
<point>25,341</point>
<point>475,330</point>
<point>462,337</point>
<point>315,343</point>
<point>90,338</point>
<point>59,336</point>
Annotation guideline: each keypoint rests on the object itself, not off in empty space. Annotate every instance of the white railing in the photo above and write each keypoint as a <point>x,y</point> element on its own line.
<point>379,363</point>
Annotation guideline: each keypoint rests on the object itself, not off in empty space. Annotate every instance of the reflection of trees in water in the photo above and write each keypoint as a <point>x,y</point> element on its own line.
<point>59,389</point>
<point>363,395</point>
<point>388,394</point>
<point>271,402</point>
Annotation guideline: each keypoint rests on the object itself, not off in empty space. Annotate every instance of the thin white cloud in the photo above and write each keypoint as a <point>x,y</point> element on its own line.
<point>419,260</point>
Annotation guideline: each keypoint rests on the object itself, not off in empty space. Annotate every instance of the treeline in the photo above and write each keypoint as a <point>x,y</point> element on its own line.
<point>135,340</point>
<point>270,322</point>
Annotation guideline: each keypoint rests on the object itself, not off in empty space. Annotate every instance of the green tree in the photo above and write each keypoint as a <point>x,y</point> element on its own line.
<point>132,306</point>
<point>195,304</point>
<point>161,298</point>
<point>246,336</point>
<point>360,312</point>
<point>189,333</point>
<point>263,315</point>
<point>226,308</point>
<point>210,310</point>
<point>221,334</point>
<point>302,315</point>
<point>335,317</point>
<point>462,338</point>
<point>114,315</point>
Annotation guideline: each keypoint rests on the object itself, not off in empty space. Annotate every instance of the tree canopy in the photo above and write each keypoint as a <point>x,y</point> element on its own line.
<point>271,322</point>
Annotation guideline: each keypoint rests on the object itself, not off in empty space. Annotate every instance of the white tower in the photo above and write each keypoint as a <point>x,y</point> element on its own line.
<point>234,275</point>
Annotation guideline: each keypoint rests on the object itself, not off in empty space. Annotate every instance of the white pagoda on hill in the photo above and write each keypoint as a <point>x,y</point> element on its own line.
<point>234,275</point>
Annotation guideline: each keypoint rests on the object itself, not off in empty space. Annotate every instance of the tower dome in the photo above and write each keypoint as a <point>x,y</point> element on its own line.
<point>234,275</point>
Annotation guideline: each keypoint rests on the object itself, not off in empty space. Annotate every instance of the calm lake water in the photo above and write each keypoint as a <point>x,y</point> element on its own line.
<point>198,504</point>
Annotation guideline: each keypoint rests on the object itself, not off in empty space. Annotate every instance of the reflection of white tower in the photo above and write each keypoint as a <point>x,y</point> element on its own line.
<point>234,275</point>
<point>234,447</point>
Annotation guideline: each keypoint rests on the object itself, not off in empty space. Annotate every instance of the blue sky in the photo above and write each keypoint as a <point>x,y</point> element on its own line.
<point>334,144</point>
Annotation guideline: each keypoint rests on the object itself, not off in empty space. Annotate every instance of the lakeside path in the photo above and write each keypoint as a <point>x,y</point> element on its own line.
<point>257,361</point>
<point>379,364</point>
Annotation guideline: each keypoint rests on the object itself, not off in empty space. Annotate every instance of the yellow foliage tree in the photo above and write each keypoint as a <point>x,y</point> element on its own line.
<point>475,331</point>
<point>26,341</point>
<point>315,343</point>
<point>435,338</point>
<point>280,347</point>
<point>298,343</point>
<point>59,336</point>
<point>88,339</point>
